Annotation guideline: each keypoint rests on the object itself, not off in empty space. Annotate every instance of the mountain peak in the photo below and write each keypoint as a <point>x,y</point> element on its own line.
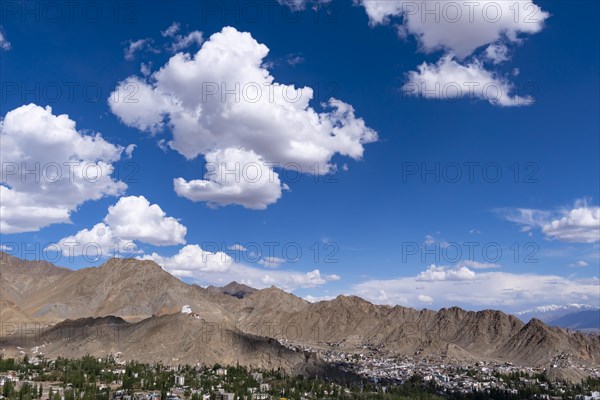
<point>536,323</point>
<point>275,296</point>
<point>351,300</point>
<point>129,263</point>
<point>234,289</point>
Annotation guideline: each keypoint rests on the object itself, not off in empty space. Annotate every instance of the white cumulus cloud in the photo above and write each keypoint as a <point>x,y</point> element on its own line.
<point>100,241</point>
<point>131,219</point>
<point>580,224</point>
<point>190,260</point>
<point>49,169</point>
<point>441,273</point>
<point>460,30</point>
<point>459,27</point>
<point>223,101</point>
<point>289,280</point>
<point>450,80</point>
<point>134,218</point>
<point>234,176</point>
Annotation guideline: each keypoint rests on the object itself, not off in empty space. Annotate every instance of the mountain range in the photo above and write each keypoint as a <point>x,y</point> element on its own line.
<point>133,307</point>
<point>582,320</point>
<point>553,312</point>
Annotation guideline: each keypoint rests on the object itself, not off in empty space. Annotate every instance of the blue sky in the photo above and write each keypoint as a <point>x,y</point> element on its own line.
<point>414,176</point>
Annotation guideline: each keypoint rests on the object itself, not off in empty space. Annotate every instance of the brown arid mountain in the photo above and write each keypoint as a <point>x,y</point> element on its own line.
<point>133,307</point>
<point>11,313</point>
<point>127,288</point>
<point>234,289</point>
<point>19,279</point>
<point>354,323</point>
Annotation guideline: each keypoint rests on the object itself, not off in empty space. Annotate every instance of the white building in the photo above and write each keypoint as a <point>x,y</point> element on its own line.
<point>265,387</point>
<point>186,309</point>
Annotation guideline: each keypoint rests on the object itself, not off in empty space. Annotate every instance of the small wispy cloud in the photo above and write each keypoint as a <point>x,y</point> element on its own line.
<point>271,262</point>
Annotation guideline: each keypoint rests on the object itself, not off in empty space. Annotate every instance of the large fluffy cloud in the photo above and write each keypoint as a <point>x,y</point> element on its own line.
<point>223,100</point>
<point>131,219</point>
<point>99,241</point>
<point>580,224</point>
<point>134,218</point>
<point>49,169</point>
<point>449,79</point>
<point>460,27</point>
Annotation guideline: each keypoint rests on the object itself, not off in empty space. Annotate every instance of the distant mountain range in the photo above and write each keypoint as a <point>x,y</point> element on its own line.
<point>573,316</point>
<point>582,320</point>
<point>134,307</point>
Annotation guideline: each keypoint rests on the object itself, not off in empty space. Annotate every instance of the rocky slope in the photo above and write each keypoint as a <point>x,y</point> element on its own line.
<point>20,279</point>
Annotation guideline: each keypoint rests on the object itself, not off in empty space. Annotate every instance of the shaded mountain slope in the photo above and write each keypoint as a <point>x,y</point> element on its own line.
<point>173,338</point>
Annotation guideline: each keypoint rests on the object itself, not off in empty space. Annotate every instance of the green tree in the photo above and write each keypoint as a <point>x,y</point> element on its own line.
<point>8,388</point>
<point>26,391</point>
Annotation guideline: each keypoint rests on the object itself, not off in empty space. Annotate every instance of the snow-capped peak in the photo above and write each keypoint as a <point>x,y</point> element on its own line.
<point>554,307</point>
